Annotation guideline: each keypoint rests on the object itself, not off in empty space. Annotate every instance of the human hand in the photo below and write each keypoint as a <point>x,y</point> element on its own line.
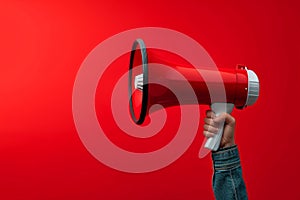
<point>212,124</point>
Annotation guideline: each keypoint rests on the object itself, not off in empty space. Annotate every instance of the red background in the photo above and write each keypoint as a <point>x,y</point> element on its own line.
<point>42,47</point>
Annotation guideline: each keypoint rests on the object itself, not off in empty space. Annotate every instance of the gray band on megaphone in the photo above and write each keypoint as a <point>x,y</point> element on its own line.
<point>253,88</point>
<point>143,111</point>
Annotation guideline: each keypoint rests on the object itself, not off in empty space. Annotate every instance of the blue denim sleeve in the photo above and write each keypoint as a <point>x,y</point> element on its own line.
<point>228,182</point>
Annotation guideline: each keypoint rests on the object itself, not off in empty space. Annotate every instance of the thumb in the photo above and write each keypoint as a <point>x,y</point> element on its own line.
<point>225,117</point>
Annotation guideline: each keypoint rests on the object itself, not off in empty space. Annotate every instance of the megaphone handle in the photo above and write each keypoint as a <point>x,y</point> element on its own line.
<point>213,143</point>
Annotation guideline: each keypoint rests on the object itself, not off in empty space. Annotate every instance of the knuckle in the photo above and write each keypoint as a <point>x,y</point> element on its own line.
<point>233,120</point>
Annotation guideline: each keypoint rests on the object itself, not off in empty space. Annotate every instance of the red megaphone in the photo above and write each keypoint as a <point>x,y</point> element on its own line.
<point>150,83</point>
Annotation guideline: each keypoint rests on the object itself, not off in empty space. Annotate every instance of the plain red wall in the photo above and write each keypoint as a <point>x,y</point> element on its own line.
<point>43,44</point>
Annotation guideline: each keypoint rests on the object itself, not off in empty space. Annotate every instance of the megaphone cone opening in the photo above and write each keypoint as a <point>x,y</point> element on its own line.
<point>138,116</point>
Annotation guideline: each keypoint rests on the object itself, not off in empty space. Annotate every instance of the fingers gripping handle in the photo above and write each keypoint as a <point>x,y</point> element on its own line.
<point>213,143</point>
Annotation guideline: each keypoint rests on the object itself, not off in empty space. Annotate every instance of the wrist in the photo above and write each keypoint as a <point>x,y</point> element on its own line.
<point>229,144</point>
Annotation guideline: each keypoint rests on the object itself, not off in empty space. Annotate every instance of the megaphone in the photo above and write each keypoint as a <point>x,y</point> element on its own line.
<point>222,89</point>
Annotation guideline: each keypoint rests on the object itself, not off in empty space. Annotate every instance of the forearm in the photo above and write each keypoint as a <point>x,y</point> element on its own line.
<point>228,182</point>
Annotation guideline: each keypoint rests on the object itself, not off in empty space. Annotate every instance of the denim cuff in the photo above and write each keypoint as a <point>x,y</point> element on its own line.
<point>226,158</point>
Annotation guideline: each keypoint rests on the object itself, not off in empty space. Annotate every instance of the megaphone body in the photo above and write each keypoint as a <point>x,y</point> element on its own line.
<point>223,89</point>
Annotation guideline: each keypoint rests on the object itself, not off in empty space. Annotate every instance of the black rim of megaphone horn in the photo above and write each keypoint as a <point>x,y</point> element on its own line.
<point>143,51</point>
